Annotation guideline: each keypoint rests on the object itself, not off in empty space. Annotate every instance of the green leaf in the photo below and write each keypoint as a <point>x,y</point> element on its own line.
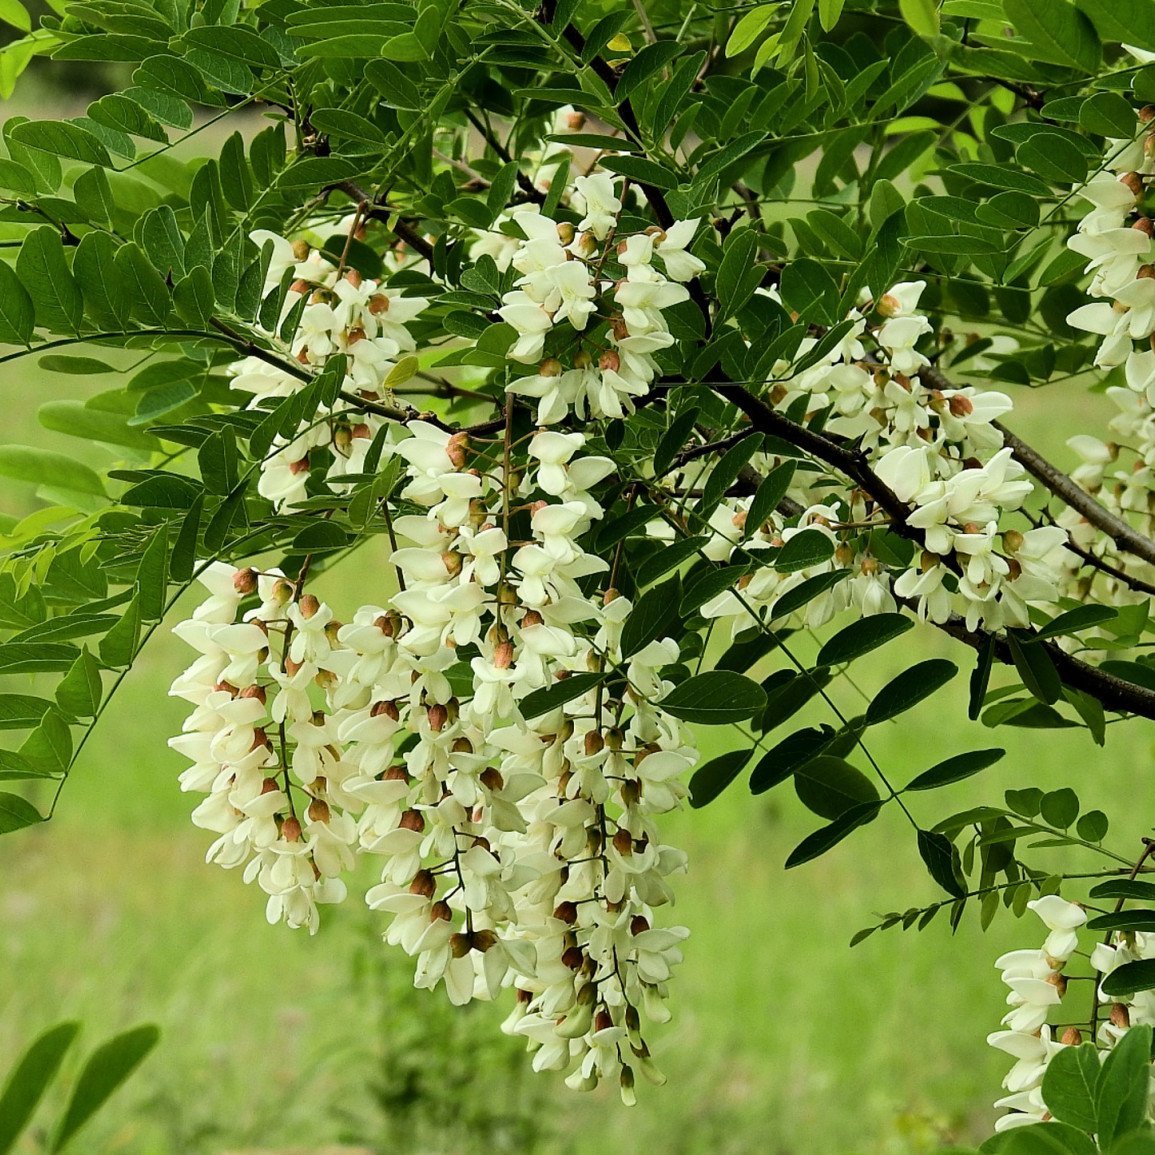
<point>1035,668</point>
<point>809,290</point>
<point>49,747</point>
<point>1060,807</point>
<point>807,548</point>
<point>17,315</point>
<point>818,843</point>
<point>940,857</point>
<point>725,473</point>
<point>1129,920</point>
<point>152,575</point>
<point>642,170</point>
<point>80,691</point>
<point>752,24</point>
<point>1093,826</point>
<point>829,12</point>
<point>1058,32</point>
<point>651,59</point>
<point>1069,1085</point>
<point>15,814</point>
<point>738,275</point>
<point>770,493</point>
<point>909,688</point>
<point>79,420</point>
<point>555,696</point>
<point>654,613</point>
<point>105,300</point>
<point>715,697</point>
<point>44,272</point>
<point>118,646</point>
<point>1130,978</point>
<point>862,636</point>
<point>1123,22</point>
<point>711,778</point>
<point>921,16</point>
<point>44,467</point>
<point>21,711</point>
<point>1075,621</point>
<point>35,658</point>
<point>1121,1095</point>
<point>107,1068</point>
<point>1124,888</point>
<point>830,786</point>
<point>14,13</point>
<point>955,769</point>
<point>29,1080</point>
<point>61,139</point>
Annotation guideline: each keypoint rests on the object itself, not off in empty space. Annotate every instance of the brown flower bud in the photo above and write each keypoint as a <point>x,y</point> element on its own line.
<point>484,939</point>
<point>412,820</point>
<point>491,778</point>
<point>245,581</point>
<point>1120,1015</point>
<point>1144,225</point>
<point>353,277</point>
<point>566,232</point>
<point>226,687</point>
<point>1012,541</point>
<point>594,743</point>
<point>440,910</point>
<point>503,655</point>
<point>1058,981</point>
<point>961,405</point>
<point>1133,181</point>
<point>319,810</point>
<point>291,829</point>
<point>456,449</point>
<point>603,1020</point>
<point>386,708</point>
<point>1071,1037</point>
<point>260,738</point>
<point>459,945</point>
<point>424,884</point>
<point>639,924</point>
<point>550,367</point>
<point>623,842</point>
<point>309,606</point>
<point>573,958</point>
<point>575,121</point>
<point>610,361</point>
<point>566,912</point>
<point>269,785</point>
<point>438,715</point>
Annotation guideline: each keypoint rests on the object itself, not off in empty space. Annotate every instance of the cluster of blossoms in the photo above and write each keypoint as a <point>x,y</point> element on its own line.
<point>938,451</point>
<point>329,310</point>
<point>1038,984</point>
<point>518,843</point>
<point>1116,238</point>
<point>587,306</point>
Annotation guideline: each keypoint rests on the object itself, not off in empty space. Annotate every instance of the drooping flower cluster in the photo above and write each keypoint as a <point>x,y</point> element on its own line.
<point>329,309</point>
<point>518,840</point>
<point>587,306</point>
<point>1116,238</point>
<point>938,452</point>
<point>1037,983</point>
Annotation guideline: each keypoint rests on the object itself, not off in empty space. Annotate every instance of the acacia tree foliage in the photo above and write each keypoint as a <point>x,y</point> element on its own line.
<point>640,341</point>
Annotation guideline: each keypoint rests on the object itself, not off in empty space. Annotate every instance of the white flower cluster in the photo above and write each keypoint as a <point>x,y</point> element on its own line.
<point>343,313</point>
<point>588,304</point>
<point>1037,983</point>
<point>1116,238</point>
<point>939,453</point>
<point>519,848</point>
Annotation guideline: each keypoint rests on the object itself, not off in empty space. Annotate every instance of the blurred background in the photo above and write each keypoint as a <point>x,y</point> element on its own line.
<point>785,1040</point>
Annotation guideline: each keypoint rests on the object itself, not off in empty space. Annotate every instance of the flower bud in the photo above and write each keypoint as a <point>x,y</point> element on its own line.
<point>565,232</point>
<point>319,811</point>
<point>412,820</point>
<point>550,367</point>
<point>566,912</point>
<point>438,715</point>
<point>623,842</point>
<point>395,774</point>
<point>269,785</point>
<point>491,778</point>
<point>245,581</point>
<point>226,687</point>
<point>610,361</point>
<point>639,924</point>
<point>484,939</point>
<point>603,1020</point>
<point>291,829</point>
<point>1120,1015</point>
<point>440,910</point>
<point>424,884</point>
<point>1071,1037</point>
<point>961,405</point>
<point>309,606</point>
<point>456,449</point>
<point>573,958</point>
<point>459,945</point>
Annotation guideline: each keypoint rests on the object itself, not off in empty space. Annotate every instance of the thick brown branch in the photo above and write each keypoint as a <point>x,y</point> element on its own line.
<point>1114,693</point>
